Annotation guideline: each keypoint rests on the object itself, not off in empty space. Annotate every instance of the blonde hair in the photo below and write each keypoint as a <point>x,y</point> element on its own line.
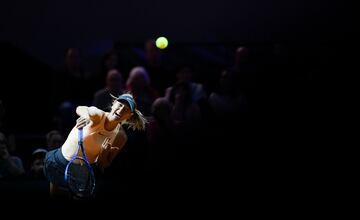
<point>137,121</point>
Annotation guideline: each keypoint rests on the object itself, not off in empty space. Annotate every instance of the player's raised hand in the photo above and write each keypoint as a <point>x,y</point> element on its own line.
<point>81,122</point>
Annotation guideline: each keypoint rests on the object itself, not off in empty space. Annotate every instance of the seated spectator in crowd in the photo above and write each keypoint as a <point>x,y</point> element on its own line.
<point>114,85</point>
<point>37,165</point>
<point>139,85</point>
<point>186,113</point>
<point>10,166</point>
<point>54,139</point>
<point>197,91</point>
<point>160,131</point>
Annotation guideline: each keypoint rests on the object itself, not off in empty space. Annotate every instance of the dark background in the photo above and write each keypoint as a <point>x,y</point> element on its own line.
<point>34,37</point>
<point>45,28</point>
<point>39,33</point>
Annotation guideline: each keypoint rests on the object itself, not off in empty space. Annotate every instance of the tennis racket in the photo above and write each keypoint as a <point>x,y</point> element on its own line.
<point>79,174</point>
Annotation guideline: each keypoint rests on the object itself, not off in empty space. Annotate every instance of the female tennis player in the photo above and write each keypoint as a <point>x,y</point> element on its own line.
<point>102,137</point>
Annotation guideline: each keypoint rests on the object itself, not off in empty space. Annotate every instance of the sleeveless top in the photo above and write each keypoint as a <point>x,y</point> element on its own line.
<point>93,138</point>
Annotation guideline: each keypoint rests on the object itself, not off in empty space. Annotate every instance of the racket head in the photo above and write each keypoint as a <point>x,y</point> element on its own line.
<point>80,178</point>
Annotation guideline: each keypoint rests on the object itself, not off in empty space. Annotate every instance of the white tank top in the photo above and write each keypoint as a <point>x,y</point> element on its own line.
<point>93,137</point>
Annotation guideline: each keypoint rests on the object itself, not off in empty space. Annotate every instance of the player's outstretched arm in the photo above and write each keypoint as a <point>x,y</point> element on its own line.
<point>92,113</point>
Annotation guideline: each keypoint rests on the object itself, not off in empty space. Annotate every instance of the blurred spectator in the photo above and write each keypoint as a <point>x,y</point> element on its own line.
<point>244,70</point>
<point>197,91</point>
<point>65,116</point>
<point>10,166</point>
<point>138,84</point>
<point>225,102</point>
<point>109,62</point>
<point>160,129</point>
<point>37,165</point>
<point>114,85</point>
<point>73,62</point>
<point>241,58</point>
<point>54,139</point>
<point>185,111</point>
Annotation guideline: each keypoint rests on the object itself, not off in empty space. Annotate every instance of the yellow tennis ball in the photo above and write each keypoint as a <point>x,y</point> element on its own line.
<point>161,42</point>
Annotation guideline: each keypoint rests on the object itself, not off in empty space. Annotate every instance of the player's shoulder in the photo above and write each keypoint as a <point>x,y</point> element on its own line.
<point>95,110</point>
<point>96,114</point>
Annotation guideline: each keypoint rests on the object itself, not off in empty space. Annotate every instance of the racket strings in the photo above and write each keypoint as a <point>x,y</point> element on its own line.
<point>80,179</point>
<point>79,174</point>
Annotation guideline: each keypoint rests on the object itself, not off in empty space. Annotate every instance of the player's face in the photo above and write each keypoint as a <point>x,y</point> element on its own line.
<point>121,111</point>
